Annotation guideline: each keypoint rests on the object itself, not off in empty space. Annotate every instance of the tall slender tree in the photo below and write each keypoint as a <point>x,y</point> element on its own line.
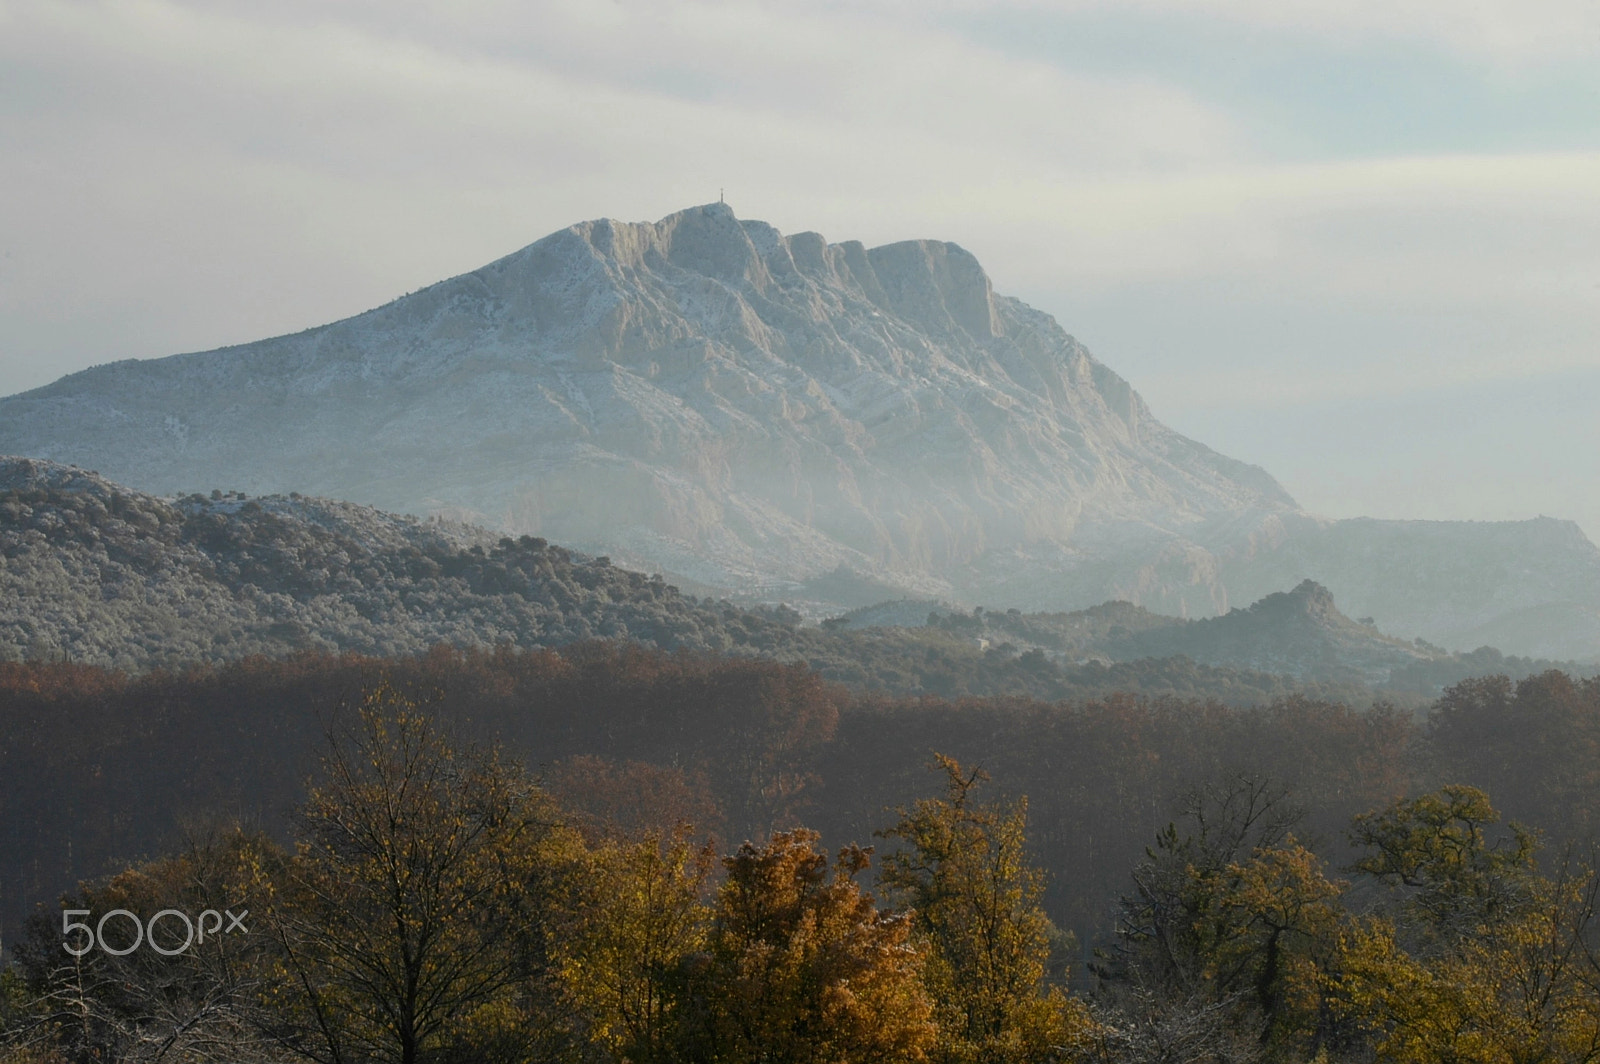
<point>964,872</point>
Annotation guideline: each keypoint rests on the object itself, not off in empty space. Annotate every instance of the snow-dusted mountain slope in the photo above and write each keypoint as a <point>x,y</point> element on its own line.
<point>739,409</point>
<point>702,394</point>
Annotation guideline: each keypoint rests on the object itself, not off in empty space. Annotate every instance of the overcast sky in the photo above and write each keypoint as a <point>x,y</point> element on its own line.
<point>1354,241</point>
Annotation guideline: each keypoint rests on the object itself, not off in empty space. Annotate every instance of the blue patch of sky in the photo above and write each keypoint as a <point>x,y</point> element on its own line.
<point>1306,98</point>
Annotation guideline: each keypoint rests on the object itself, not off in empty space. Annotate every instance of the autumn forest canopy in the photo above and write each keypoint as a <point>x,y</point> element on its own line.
<point>614,853</point>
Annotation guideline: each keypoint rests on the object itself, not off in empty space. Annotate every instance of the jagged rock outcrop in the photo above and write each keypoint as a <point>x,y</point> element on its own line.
<point>1300,632</point>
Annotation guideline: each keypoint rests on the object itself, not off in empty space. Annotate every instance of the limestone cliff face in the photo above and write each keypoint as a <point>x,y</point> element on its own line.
<point>703,395</point>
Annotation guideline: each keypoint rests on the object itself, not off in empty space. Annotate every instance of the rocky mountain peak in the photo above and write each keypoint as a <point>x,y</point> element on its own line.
<point>932,286</point>
<point>701,395</point>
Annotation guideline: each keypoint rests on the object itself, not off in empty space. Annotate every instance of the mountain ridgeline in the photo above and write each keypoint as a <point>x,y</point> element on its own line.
<point>754,414</point>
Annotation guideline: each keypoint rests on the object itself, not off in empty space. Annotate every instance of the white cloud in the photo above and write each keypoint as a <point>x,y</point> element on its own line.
<point>1508,34</point>
<point>216,170</point>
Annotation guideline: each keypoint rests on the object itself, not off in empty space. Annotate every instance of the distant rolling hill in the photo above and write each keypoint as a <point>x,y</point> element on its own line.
<point>95,573</point>
<point>1299,633</point>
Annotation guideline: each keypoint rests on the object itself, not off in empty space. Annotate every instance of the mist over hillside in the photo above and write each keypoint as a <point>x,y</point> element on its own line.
<point>775,417</point>
<point>92,572</point>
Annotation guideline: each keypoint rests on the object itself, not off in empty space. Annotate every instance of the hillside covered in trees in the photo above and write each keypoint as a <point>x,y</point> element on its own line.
<point>96,574</point>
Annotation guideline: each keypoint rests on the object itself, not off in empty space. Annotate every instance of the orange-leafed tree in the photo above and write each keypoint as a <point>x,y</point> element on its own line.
<point>802,966</point>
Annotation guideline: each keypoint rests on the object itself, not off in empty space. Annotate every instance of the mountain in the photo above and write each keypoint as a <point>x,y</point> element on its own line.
<point>708,396</point>
<point>774,417</point>
<point>1300,633</point>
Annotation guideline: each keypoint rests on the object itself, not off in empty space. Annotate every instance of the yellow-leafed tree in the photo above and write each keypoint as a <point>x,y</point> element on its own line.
<point>801,966</point>
<point>636,915</point>
<point>964,872</point>
<point>1481,959</point>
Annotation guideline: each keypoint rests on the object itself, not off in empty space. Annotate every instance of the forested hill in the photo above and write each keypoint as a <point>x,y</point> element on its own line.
<point>102,575</point>
<point>1299,633</point>
<point>91,572</point>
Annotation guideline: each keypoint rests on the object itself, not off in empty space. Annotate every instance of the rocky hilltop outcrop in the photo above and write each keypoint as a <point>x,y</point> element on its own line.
<point>1300,632</point>
<point>763,414</point>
